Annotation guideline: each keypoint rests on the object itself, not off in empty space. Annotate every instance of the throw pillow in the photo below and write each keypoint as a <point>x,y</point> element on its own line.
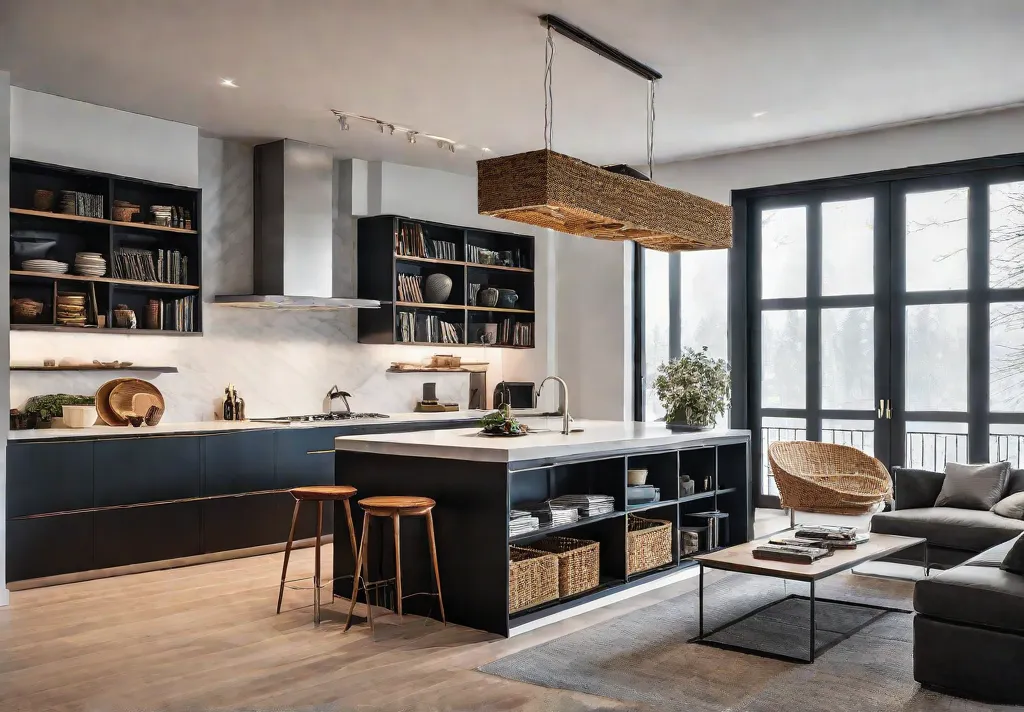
<point>1014,561</point>
<point>1011,507</point>
<point>973,486</point>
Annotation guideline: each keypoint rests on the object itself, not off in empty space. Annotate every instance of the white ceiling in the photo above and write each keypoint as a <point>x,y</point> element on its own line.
<point>472,69</point>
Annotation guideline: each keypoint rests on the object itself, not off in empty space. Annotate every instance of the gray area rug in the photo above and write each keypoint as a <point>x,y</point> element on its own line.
<point>643,657</point>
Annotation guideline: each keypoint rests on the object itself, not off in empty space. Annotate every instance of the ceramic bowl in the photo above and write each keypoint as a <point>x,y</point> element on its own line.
<point>79,416</point>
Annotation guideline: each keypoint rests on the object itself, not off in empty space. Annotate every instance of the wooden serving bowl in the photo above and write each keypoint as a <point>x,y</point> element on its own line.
<point>107,414</point>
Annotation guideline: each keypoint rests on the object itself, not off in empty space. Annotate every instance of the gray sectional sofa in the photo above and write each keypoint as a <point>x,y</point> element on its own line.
<point>969,622</point>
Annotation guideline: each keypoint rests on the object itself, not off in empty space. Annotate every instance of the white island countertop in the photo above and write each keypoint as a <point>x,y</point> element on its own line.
<point>599,438</point>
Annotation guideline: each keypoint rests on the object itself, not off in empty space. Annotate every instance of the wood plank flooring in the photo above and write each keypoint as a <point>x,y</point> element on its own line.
<point>206,637</point>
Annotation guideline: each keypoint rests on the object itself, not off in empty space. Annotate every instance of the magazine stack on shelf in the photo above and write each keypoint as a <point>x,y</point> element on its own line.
<point>412,242</point>
<point>427,328</point>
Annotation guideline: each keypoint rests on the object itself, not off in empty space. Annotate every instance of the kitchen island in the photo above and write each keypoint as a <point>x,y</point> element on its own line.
<point>477,480</point>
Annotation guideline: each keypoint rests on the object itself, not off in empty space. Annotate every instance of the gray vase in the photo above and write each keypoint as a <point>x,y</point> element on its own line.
<point>487,297</point>
<point>507,298</point>
<point>437,287</point>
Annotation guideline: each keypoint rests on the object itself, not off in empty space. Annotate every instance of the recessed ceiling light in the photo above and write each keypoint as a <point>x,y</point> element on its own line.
<point>759,114</point>
<point>225,82</point>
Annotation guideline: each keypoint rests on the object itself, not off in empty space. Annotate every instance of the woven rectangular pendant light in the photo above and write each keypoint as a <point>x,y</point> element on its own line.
<point>563,193</point>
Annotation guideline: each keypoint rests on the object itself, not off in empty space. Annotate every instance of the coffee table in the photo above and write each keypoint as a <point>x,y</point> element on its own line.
<point>740,559</point>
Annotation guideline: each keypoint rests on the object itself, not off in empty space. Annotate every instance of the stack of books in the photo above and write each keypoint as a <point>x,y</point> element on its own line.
<point>552,514</point>
<point>791,554</point>
<point>810,543</point>
<point>512,333</point>
<point>427,328</point>
<point>521,522</point>
<point>169,266</point>
<point>589,505</point>
<point>835,537</point>
<point>410,288</point>
<point>412,242</point>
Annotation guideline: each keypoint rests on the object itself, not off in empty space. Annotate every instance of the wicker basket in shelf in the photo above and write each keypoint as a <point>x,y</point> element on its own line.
<point>532,578</point>
<point>579,563</point>
<point>648,545</point>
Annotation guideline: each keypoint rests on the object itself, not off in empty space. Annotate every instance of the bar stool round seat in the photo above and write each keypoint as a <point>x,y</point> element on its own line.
<point>393,508</point>
<point>318,494</point>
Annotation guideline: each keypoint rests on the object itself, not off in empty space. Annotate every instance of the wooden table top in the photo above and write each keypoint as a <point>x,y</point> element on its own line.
<point>741,558</point>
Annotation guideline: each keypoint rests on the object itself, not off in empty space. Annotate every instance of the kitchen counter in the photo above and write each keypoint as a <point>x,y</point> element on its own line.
<point>477,480</point>
<point>598,438</point>
<point>221,426</point>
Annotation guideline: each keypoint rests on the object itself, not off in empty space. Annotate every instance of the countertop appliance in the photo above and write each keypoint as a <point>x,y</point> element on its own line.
<point>319,417</point>
<point>518,394</point>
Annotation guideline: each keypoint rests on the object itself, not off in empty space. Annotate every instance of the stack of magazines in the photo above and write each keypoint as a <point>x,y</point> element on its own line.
<point>521,522</point>
<point>839,537</point>
<point>791,554</point>
<point>589,505</point>
<point>831,544</point>
<point>552,514</point>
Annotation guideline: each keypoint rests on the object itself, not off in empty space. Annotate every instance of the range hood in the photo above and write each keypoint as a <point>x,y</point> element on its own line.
<point>293,231</point>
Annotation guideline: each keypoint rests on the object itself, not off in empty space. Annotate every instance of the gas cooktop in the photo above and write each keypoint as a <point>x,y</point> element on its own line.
<point>320,417</point>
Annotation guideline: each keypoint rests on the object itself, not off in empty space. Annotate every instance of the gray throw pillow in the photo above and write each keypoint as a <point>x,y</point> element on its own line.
<point>1014,561</point>
<point>1011,507</point>
<point>973,486</point>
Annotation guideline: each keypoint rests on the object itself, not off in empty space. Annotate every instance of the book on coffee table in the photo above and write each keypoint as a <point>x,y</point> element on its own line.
<point>821,543</point>
<point>827,532</point>
<point>791,554</point>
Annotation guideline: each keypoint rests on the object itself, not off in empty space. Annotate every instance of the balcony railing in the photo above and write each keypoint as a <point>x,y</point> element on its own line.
<point>924,450</point>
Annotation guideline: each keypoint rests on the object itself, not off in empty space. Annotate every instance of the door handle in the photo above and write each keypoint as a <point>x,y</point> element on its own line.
<point>881,407</point>
<point>888,410</point>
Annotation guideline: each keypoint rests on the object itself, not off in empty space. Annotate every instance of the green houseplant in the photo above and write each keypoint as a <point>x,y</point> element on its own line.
<point>693,389</point>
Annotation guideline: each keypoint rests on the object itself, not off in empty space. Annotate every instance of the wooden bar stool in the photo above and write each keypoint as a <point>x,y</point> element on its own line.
<point>320,494</point>
<point>395,508</point>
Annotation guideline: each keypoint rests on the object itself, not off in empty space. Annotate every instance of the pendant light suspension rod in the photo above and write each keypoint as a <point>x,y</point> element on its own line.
<point>553,22</point>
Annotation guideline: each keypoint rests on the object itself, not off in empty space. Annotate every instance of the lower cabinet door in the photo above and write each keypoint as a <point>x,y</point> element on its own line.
<point>48,546</point>
<point>257,520</point>
<point>134,535</point>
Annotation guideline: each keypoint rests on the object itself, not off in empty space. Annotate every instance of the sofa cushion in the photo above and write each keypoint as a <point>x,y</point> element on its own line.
<point>916,488</point>
<point>973,486</point>
<point>973,595</point>
<point>1014,561</point>
<point>963,529</point>
<point>1015,482</point>
<point>994,556</point>
<point>1011,507</point>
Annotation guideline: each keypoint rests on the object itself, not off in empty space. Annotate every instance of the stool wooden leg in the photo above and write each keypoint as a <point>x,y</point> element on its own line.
<point>433,560</point>
<point>352,536</point>
<point>362,569</point>
<point>316,570</point>
<point>287,553</point>
<point>398,560</point>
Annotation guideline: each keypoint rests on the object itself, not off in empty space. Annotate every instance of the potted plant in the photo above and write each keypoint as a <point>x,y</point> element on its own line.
<point>693,389</point>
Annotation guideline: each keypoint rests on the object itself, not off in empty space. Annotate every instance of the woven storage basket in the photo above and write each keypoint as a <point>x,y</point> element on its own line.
<point>532,578</point>
<point>648,544</point>
<point>828,478</point>
<point>579,563</point>
<point>563,193</point>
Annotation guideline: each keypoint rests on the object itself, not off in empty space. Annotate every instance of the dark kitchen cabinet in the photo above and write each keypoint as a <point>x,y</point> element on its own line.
<point>48,477</point>
<point>305,457</point>
<point>257,520</point>
<point>132,535</point>
<point>49,546</point>
<point>238,462</point>
<point>146,469</point>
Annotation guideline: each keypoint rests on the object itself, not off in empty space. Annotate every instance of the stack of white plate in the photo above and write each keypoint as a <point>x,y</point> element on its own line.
<point>46,266</point>
<point>90,264</point>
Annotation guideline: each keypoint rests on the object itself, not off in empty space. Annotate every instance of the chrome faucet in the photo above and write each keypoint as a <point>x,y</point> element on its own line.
<point>563,402</point>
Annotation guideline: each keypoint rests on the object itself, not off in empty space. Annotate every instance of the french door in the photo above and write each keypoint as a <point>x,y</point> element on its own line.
<point>889,315</point>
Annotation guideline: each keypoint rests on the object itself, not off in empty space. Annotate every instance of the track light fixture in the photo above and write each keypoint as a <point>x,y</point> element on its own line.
<point>444,143</point>
<point>343,120</point>
<point>411,136</point>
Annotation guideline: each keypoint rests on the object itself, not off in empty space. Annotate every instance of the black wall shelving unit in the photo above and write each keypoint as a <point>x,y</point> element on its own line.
<point>77,233</point>
<point>381,262</point>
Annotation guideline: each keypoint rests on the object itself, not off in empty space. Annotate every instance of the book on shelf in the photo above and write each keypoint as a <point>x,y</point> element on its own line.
<point>410,288</point>
<point>427,328</point>
<point>412,241</point>
<point>178,314</point>
<point>166,266</point>
<point>513,333</point>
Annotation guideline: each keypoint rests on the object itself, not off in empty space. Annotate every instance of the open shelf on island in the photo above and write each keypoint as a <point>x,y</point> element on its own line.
<point>547,529</point>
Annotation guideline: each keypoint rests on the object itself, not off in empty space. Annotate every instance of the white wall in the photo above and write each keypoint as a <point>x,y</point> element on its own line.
<point>52,129</point>
<point>5,318</point>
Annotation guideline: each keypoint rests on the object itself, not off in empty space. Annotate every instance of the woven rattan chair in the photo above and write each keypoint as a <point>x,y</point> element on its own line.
<point>827,478</point>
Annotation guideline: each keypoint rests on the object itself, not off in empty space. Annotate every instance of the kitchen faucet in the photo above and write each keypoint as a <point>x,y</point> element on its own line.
<point>563,402</point>
<point>333,395</point>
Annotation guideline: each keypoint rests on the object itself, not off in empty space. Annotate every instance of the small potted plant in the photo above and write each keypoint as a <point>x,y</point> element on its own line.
<point>693,389</point>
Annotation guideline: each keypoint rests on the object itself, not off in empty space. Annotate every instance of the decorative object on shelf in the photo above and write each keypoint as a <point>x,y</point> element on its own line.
<point>507,298</point>
<point>42,200</point>
<point>579,563</point>
<point>135,420</point>
<point>489,334</point>
<point>79,416</point>
<point>46,407</point>
<point>487,297</point>
<point>532,578</point>
<point>25,310</point>
<point>712,519</point>
<point>437,287</point>
<point>502,423</point>
<point>125,211</point>
<point>102,400</point>
<point>636,476</point>
<point>71,309</point>
<point>45,266</point>
<point>686,486</point>
<point>556,191</point>
<point>648,543</point>
<point>689,540</point>
<point>23,421</point>
<point>154,414</point>
<point>31,244</point>
<point>122,397</point>
<point>445,361</point>
<point>91,264</point>
<point>693,389</point>
<point>124,318</point>
<point>471,293</point>
<point>642,494</point>
<point>153,311</point>
<point>86,205</point>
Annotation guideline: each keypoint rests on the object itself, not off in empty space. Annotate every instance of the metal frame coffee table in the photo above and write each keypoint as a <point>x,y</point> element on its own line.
<point>740,559</point>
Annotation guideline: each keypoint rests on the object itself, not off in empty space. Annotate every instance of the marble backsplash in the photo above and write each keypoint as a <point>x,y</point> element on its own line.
<point>281,362</point>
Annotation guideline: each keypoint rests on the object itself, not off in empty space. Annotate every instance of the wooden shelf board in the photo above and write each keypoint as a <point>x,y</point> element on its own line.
<point>460,263</point>
<point>431,305</point>
<point>696,496</point>
<point>109,280</point>
<point>498,309</point>
<point>459,346</point>
<point>94,330</point>
<point>100,221</point>
<point>94,367</point>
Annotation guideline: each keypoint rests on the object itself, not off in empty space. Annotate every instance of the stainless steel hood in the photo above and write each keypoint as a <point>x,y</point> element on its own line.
<point>293,231</point>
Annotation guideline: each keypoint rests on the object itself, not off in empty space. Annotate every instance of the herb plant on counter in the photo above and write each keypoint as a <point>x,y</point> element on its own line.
<point>45,407</point>
<point>502,422</point>
<point>694,389</point>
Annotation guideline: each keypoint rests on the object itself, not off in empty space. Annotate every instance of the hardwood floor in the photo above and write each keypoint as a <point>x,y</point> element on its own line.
<point>206,637</point>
